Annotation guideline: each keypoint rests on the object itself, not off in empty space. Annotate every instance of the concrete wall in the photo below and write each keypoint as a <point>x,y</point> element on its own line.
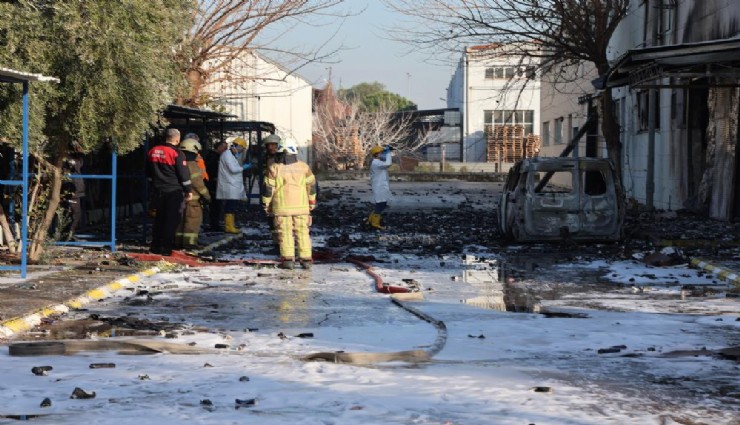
<point>559,93</point>
<point>702,20</point>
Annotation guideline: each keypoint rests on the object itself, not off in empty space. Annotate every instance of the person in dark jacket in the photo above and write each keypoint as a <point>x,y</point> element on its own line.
<point>170,178</point>
<point>75,189</point>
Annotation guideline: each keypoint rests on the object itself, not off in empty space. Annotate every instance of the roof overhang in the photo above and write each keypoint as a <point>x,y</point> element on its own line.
<point>184,112</point>
<point>8,75</point>
<point>718,61</point>
<point>241,126</point>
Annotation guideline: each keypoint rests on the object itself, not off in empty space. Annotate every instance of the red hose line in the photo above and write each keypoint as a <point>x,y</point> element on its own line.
<point>379,285</point>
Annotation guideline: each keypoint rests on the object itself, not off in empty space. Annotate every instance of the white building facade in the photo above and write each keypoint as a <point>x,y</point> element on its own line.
<point>493,87</point>
<point>262,90</point>
<point>683,50</point>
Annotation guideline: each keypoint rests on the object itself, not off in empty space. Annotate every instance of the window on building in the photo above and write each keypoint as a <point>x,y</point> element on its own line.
<point>558,133</point>
<point>546,133</point>
<point>509,72</point>
<point>569,129</point>
<point>524,118</point>
<point>643,104</point>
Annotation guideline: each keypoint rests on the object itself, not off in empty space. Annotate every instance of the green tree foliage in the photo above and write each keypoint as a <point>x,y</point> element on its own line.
<point>119,63</point>
<point>116,61</point>
<point>373,97</point>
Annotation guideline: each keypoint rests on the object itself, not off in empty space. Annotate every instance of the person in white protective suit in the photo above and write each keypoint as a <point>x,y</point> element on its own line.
<point>382,160</point>
<point>230,189</point>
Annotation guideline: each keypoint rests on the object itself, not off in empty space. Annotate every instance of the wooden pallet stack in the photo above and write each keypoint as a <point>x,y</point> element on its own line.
<point>532,146</point>
<point>494,147</point>
<point>507,143</point>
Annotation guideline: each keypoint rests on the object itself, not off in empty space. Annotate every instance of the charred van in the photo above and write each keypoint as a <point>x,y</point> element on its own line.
<point>547,199</point>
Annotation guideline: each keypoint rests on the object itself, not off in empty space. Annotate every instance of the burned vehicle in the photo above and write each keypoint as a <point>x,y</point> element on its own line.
<point>550,199</point>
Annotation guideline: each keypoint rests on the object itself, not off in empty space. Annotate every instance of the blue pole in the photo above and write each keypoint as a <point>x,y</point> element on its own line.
<point>145,226</point>
<point>24,214</point>
<point>11,203</point>
<point>113,203</point>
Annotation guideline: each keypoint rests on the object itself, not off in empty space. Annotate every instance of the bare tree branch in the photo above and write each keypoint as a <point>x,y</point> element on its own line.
<point>555,34</point>
<point>225,30</point>
<point>344,133</point>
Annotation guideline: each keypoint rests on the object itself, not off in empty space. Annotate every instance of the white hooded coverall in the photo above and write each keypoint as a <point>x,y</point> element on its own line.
<point>379,178</point>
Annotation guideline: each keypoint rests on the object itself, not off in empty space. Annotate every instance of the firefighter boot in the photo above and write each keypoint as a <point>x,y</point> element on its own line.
<point>229,226</point>
<point>286,264</point>
<point>375,221</point>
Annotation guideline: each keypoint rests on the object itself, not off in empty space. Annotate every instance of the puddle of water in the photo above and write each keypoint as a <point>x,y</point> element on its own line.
<point>489,277</point>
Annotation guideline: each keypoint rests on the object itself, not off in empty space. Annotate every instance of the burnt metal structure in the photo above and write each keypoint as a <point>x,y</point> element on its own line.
<point>718,60</point>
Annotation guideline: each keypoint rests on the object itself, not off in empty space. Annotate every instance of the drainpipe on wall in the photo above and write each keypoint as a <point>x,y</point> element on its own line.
<point>652,103</point>
<point>466,126</point>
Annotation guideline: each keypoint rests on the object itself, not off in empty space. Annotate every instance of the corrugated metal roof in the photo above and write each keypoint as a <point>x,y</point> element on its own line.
<point>13,76</point>
<point>679,58</point>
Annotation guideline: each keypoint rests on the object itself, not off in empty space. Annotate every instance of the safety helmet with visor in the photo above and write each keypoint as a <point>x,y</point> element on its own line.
<point>288,146</point>
<point>190,145</point>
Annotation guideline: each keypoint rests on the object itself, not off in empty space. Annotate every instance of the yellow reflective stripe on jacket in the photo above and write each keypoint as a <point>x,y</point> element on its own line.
<point>292,189</point>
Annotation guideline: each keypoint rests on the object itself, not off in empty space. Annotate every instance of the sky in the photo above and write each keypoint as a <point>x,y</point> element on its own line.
<point>370,57</point>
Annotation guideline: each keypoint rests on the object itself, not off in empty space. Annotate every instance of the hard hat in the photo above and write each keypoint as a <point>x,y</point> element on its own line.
<point>376,150</point>
<point>239,142</point>
<point>288,146</point>
<point>273,138</point>
<point>190,145</point>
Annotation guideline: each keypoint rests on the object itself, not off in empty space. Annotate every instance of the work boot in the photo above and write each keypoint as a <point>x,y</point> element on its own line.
<point>306,264</point>
<point>375,221</point>
<point>286,265</point>
<point>229,224</point>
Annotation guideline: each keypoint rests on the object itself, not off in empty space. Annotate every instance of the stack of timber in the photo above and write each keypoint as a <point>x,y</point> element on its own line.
<point>507,143</point>
<point>531,146</point>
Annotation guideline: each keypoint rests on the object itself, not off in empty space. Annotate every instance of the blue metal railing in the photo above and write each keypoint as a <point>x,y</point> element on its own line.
<point>24,182</point>
<point>113,205</point>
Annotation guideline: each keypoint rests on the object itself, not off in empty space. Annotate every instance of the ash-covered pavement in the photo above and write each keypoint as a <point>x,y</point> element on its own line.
<point>541,334</point>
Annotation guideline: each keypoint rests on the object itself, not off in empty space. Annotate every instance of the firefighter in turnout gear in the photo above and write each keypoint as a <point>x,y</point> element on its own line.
<point>271,156</point>
<point>290,196</point>
<point>379,181</point>
<point>187,233</point>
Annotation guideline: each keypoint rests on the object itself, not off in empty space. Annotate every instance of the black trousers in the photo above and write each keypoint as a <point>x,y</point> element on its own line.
<point>214,207</point>
<point>169,206</point>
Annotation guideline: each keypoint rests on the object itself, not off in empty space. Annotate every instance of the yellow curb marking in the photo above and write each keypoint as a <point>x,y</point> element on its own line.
<point>27,322</point>
<point>75,304</point>
<point>97,294</point>
<point>16,325</point>
<point>722,273</point>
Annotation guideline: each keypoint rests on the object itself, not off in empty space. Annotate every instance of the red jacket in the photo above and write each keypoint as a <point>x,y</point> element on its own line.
<point>167,169</point>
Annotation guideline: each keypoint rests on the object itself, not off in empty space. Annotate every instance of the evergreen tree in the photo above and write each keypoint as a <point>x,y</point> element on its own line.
<point>119,63</point>
<point>373,97</point>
